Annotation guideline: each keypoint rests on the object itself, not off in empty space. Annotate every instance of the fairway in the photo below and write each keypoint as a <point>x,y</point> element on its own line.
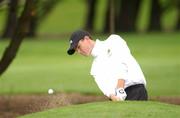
<point>112,110</point>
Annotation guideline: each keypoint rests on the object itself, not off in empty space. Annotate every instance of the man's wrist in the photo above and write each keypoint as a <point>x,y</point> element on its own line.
<point>121,94</point>
<point>120,90</point>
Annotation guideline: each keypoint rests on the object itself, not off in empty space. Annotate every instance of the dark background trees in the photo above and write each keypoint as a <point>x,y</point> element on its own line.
<point>127,13</point>
<point>21,30</point>
<point>90,15</point>
<point>11,19</point>
<point>178,8</point>
<point>41,10</point>
<point>17,28</point>
<point>120,15</point>
<point>155,16</point>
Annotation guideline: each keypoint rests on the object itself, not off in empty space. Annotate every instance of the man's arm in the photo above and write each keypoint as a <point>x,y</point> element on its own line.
<point>120,83</point>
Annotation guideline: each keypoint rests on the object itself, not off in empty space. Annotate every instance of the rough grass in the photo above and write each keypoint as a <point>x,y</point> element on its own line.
<point>112,110</point>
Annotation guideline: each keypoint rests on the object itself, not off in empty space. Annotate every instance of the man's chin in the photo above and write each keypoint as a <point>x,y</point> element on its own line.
<point>86,55</point>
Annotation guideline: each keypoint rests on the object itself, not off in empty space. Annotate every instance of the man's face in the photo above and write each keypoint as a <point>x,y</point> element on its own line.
<point>84,47</point>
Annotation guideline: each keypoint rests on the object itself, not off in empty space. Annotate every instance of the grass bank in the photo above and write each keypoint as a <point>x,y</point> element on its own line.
<point>112,110</point>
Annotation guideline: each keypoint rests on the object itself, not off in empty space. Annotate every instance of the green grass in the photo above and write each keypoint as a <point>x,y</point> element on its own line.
<point>67,16</point>
<point>43,64</point>
<point>112,110</point>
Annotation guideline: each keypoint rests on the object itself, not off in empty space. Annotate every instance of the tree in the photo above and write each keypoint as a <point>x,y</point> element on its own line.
<point>1,1</point>
<point>11,19</point>
<point>20,32</point>
<point>41,10</point>
<point>126,21</point>
<point>155,16</point>
<point>90,18</point>
<point>123,13</point>
<point>112,16</point>
<point>106,28</point>
<point>109,23</point>
<point>178,21</point>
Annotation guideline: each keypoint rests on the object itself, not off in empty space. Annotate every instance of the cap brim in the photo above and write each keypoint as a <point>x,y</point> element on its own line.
<point>71,51</point>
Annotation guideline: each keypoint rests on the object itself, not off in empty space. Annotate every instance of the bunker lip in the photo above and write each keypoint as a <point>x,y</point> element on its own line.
<point>18,105</point>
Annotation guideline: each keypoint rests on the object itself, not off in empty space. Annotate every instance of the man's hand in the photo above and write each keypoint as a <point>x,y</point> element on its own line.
<point>114,97</point>
<point>121,94</point>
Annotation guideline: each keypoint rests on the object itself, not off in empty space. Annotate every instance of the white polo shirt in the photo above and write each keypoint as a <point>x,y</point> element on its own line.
<point>113,61</point>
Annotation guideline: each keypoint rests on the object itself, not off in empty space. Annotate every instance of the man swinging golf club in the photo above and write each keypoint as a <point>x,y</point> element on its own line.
<point>115,70</point>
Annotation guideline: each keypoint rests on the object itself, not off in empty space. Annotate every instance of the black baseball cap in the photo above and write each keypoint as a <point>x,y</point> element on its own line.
<point>74,40</point>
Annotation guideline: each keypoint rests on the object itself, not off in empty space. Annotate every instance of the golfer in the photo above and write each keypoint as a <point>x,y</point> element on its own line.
<point>115,70</point>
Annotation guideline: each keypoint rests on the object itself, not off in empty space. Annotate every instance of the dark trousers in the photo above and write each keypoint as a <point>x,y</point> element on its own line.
<point>136,92</point>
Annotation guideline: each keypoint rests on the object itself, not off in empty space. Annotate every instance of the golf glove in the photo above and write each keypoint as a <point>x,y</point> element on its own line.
<point>121,94</point>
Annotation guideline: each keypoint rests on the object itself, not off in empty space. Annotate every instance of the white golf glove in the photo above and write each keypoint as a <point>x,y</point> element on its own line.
<point>121,94</point>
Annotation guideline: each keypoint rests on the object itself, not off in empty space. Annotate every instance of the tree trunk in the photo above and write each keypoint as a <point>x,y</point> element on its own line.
<point>178,21</point>
<point>107,20</point>
<point>11,19</point>
<point>20,32</point>
<point>129,10</point>
<point>91,9</point>
<point>33,26</point>
<point>112,17</point>
<point>1,1</point>
<point>155,16</point>
<point>42,9</point>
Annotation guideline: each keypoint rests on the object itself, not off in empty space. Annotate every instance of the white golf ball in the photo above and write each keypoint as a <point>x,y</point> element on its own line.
<point>50,91</point>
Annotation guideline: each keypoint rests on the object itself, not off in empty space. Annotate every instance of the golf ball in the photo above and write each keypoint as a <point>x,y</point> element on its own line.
<point>50,91</point>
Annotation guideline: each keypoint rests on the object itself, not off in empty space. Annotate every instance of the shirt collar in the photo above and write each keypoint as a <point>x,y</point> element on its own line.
<point>98,48</point>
